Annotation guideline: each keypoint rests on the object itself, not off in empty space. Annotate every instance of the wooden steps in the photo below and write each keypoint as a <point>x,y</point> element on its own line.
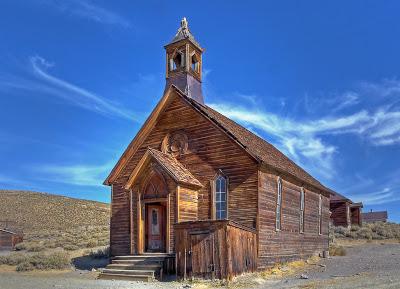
<point>147,267</point>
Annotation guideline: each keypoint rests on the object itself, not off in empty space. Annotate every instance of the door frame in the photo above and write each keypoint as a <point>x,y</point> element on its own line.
<point>141,224</point>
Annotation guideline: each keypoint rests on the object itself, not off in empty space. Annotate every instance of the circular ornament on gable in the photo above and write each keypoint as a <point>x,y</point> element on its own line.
<point>175,143</point>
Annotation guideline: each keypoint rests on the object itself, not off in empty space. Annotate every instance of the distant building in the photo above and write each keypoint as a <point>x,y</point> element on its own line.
<point>8,239</point>
<point>372,217</point>
<point>344,212</point>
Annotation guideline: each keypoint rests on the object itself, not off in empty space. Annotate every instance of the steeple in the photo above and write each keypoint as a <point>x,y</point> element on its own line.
<point>184,63</point>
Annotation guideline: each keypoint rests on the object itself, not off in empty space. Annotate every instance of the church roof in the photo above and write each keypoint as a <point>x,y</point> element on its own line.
<point>184,33</point>
<point>171,166</point>
<point>259,147</point>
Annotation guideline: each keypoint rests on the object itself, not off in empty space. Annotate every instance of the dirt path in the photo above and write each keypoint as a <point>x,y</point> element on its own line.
<point>364,266</point>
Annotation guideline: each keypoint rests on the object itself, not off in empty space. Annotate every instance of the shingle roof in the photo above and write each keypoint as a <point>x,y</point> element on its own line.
<point>335,197</point>
<point>174,168</point>
<point>258,147</point>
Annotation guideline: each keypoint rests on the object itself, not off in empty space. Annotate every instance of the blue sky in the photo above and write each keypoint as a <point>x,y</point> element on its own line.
<point>318,79</point>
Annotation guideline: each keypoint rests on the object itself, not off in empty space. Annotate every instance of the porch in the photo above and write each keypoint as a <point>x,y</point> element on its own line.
<point>212,249</point>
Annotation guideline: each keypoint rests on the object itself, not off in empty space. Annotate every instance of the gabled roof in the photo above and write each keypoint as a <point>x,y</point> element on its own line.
<point>262,151</point>
<point>9,232</point>
<point>170,165</point>
<point>336,197</point>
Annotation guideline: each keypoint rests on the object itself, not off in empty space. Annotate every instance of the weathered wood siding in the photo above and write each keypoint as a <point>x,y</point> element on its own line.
<point>8,240</point>
<point>288,243</point>
<point>188,204</point>
<point>209,150</point>
<point>356,216</point>
<point>339,214</point>
<point>215,249</point>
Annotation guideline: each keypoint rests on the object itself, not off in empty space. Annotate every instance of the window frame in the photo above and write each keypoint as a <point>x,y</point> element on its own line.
<point>302,210</point>
<point>213,182</point>
<point>278,204</point>
<point>320,215</point>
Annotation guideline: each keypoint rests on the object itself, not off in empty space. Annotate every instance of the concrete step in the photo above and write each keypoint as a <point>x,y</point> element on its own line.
<point>165,255</point>
<point>129,272</point>
<point>108,276</point>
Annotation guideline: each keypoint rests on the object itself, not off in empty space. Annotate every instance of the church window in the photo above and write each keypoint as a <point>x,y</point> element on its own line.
<point>220,197</point>
<point>302,195</point>
<point>195,63</point>
<point>320,215</point>
<point>278,214</point>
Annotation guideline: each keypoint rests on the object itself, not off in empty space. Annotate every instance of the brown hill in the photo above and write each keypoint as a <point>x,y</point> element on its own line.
<point>32,211</point>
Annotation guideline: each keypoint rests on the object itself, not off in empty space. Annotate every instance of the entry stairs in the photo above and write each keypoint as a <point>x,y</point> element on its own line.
<point>145,267</point>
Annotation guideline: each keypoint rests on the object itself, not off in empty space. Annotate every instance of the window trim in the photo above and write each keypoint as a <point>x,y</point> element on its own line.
<point>302,210</point>
<point>213,185</point>
<point>279,198</point>
<point>320,215</point>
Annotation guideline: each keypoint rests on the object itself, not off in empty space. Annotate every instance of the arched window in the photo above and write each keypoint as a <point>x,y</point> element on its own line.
<point>278,213</point>
<point>220,197</point>
<point>176,61</point>
<point>195,63</point>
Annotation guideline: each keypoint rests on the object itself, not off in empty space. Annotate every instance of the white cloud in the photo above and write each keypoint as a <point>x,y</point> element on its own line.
<point>42,82</point>
<point>88,10</point>
<point>80,175</point>
<point>384,196</point>
<point>303,140</point>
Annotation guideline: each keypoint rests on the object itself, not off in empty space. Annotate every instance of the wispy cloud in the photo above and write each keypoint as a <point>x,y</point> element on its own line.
<point>304,140</point>
<point>42,82</point>
<point>88,10</point>
<point>79,175</point>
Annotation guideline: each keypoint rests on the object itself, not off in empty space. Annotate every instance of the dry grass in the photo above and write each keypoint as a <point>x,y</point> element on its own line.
<point>39,261</point>
<point>373,231</point>
<point>337,250</point>
<point>39,212</point>
<point>51,221</point>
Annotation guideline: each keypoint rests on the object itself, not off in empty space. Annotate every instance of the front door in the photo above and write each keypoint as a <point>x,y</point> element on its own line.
<point>155,228</point>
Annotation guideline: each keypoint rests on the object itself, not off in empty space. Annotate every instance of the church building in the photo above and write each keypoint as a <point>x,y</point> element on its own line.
<point>203,194</point>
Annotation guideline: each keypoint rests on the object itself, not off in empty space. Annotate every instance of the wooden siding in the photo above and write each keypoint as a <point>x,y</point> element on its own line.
<point>188,204</point>
<point>339,214</point>
<point>288,243</point>
<point>356,216</point>
<point>207,153</point>
<point>9,240</point>
<point>215,249</point>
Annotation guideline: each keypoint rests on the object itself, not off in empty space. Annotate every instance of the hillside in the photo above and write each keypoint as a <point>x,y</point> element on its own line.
<point>34,211</point>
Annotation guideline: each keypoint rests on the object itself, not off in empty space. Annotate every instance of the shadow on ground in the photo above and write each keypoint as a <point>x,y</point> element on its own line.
<point>89,263</point>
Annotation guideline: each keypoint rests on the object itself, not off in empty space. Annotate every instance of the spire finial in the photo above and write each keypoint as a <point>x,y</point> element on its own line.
<point>184,23</point>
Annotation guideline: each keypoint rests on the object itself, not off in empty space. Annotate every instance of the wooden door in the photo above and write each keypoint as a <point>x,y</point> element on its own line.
<point>155,228</point>
<point>202,255</point>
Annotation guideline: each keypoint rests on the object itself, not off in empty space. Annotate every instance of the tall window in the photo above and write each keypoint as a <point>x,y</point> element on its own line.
<point>221,198</point>
<point>302,210</point>
<point>320,215</point>
<point>278,213</point>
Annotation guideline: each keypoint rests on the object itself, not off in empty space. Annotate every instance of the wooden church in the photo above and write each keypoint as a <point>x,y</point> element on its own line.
<point>199,195</point>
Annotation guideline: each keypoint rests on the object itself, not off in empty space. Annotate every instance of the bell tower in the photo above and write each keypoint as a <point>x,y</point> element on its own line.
<point>184,63</point>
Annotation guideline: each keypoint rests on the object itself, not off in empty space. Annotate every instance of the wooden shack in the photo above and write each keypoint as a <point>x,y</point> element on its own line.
<point>195,186</point>
<point>8,239</point>
<point>373,217</point>
<point>344,212</point>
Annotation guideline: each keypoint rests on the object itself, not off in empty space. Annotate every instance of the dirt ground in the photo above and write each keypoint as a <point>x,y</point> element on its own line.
<point>366,265</point>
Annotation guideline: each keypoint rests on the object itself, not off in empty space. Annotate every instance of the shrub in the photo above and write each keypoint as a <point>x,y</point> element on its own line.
<point>91,243</point>
<point>35,247</point>
<point>25,266</point>
<point>335,250</point>
<point>100,253</point>
<point>70,247</point>
<point>13,259</point>
<point>20,246</point>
